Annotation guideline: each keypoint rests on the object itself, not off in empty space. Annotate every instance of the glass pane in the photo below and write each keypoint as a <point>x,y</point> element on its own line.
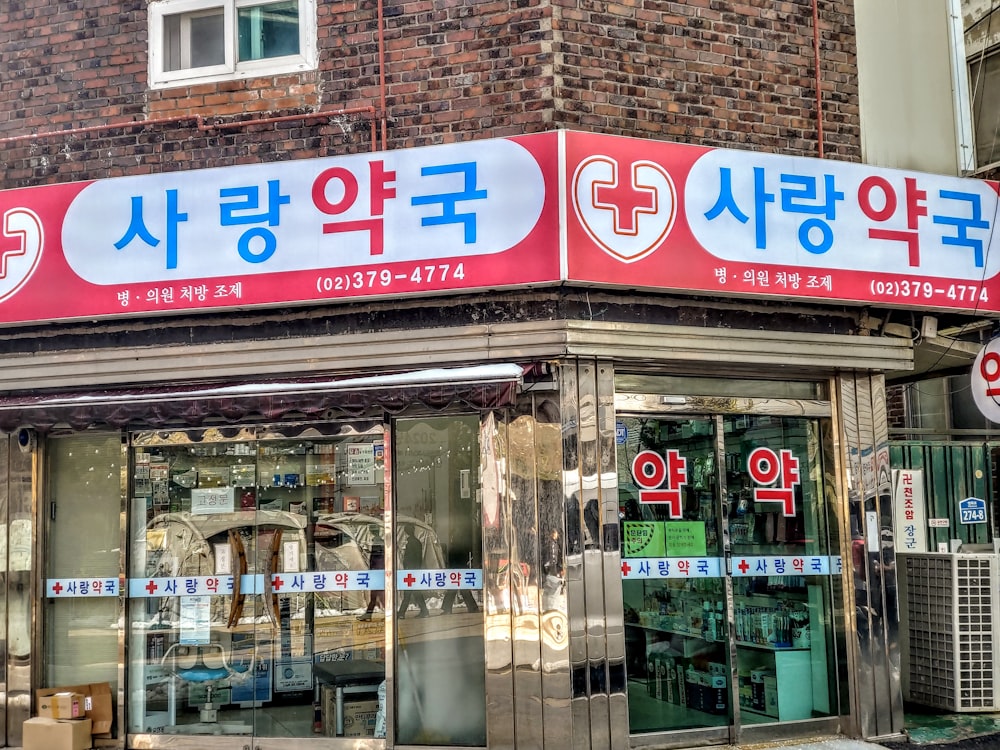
<point>781,567</point>
<point>738,387</point>
<point>252,565</point>
<point>194,40</point>
<point>675,631</point>
<point>440,657</point>
<point>984,75</point>
<point>270,30</point>
<point>84,491</point>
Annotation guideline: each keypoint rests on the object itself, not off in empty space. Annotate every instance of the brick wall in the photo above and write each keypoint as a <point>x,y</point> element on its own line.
<point>736,74</point>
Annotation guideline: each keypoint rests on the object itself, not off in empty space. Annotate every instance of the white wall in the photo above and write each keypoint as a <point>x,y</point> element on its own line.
<point>912,85</point>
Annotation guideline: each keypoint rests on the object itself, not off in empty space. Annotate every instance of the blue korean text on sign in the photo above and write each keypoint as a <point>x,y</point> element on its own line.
<point>972,510</point>
<point>621,433</point>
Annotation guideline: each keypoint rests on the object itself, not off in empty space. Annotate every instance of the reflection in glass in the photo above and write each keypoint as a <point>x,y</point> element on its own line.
<point>253,563</point>
<point>439,645</point>
<point>781,568</point>
<point>84,491</point>
<point>270,30</point>
<point>675,632</point>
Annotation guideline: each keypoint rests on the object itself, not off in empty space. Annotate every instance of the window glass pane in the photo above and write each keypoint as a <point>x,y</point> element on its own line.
<point>686,386</point>
<point>985,81</point>
<point>782,568</point>
<point>194,40</point>
<point>268,30</point>
<point>253,563</point>
<point>675,632</point>
<point>441,667</point>
<point>81,632</point>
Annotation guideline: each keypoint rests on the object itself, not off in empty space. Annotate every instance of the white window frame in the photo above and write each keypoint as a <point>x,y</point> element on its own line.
<point>232,69</point>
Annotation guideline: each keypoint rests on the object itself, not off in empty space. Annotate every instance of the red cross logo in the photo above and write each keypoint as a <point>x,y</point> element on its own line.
<point>151,587</point>
<point>626,200</point>
<point>278,583</point>
<point>58,588</point>
<point>9,252</point>
<point>627,206</point>
<point>743,566</point>
<point>19,257</point>
<point>409,580</point>
<point>626,568</point>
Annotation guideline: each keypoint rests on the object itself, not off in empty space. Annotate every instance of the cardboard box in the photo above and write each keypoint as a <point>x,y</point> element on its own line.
<point>359,718</point>
<point>42,733</point>
<point>66,705</point>
<point>97,704</point>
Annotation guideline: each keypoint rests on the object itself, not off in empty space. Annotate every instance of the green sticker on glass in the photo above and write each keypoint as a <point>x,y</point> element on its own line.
<point>684,538</point>
<point>643,539</point>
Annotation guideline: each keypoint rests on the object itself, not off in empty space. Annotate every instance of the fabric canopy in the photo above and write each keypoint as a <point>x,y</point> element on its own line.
<point>481,387</point>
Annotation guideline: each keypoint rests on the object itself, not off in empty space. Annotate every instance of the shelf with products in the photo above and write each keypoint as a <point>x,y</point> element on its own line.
<point>771,682</point>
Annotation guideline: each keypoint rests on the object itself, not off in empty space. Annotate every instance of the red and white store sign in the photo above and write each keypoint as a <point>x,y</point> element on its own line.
<point>986,381</point>
<point>654,215</point>
<point>532,210</point>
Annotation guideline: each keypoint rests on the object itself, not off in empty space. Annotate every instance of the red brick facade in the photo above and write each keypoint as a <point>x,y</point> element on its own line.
<point>733,74</point>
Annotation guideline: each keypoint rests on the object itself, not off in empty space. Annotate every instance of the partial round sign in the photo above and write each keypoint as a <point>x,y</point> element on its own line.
<point>986,381</point>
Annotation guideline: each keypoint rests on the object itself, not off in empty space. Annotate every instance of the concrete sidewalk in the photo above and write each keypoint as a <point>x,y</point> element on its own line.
<point>814,744</point>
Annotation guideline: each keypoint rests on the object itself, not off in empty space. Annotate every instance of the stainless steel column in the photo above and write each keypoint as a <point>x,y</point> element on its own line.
<point>614,606</point>
<point>5,442</point>
<point>497,593</point>
<point>557,712</point>
<point>578,728</point>
<point>878,690</point>
<point>526,572</point>
<point>22,584</point>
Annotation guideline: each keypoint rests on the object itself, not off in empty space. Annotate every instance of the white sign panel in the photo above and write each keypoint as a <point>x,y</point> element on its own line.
<point>360,463</point>
<point>213,500</point>
<point>909,510</point>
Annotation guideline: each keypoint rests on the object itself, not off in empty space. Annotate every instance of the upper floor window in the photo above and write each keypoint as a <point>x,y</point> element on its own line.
<point>199,41</point>
<point>984,78</point>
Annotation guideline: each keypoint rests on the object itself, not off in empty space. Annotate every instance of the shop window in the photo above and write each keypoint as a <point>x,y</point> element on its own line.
<point>984,79</point>
<point>83,554</point>
<point>686,485</point>
<point>443,509</point>
<point>200,41</point>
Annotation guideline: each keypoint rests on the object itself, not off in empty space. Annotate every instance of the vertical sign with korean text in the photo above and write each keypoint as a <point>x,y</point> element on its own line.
<point>909,510</point>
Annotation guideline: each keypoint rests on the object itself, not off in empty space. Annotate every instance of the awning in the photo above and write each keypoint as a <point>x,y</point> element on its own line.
<point>479,387</point>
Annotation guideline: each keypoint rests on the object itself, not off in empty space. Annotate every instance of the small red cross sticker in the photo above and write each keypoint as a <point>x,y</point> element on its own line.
<point>409,580</point>
<point>743,566</point>
<point>58,588</point>
<point>626,568</point>
<point>278,583</point>
<point>151,587</point>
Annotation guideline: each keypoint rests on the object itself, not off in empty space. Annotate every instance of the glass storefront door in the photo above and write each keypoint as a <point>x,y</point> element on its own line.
<point>257,596</point>
<point>727,572</point>
<point>256,578</point>
<point>439,636</point>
